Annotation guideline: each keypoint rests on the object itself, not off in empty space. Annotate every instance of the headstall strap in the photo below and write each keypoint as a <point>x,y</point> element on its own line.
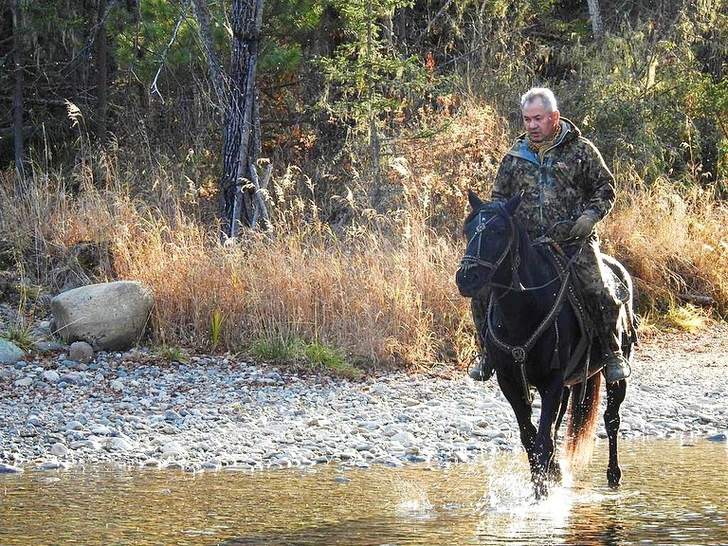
<point>469,260</point>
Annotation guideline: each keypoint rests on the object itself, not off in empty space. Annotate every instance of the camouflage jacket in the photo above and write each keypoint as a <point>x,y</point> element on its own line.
<point>571,177</point>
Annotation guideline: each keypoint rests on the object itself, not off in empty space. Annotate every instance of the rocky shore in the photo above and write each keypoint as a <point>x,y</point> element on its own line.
<point>214,413</point>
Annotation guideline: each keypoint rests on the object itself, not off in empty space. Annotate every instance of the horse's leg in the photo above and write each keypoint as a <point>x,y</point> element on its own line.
<point>551,400</point>
<point>513,391</point>
<point>615,396</point>
<point>564,406</point>
<point>555,468</point>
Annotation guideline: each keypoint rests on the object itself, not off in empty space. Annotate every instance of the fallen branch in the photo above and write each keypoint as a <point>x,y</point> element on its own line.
<point>706,301</point>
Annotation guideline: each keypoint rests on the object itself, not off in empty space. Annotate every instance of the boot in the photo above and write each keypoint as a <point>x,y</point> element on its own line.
<point>616,367</point>
<point>483,370</point>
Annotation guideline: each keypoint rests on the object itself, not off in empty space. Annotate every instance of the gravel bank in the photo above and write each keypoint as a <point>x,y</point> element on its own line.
<point>212,413</point>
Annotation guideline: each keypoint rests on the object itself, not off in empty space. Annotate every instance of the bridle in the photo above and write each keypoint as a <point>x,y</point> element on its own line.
<point>511,248</point>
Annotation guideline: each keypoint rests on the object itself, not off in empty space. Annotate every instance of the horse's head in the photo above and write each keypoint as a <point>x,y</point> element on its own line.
<point>491,236</point>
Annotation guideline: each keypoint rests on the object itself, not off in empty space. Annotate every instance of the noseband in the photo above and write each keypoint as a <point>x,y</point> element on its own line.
<point>511,248</point>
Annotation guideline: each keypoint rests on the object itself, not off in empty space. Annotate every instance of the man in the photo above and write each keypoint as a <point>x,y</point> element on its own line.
<point>564,178</point>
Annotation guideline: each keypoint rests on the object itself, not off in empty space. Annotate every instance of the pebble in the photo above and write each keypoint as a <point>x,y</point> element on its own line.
<point>214,414</point>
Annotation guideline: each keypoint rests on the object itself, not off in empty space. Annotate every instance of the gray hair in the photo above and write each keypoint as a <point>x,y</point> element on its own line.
<point>544,94</point>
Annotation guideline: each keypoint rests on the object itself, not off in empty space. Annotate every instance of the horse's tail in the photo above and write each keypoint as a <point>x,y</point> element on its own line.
<point>582,423</point>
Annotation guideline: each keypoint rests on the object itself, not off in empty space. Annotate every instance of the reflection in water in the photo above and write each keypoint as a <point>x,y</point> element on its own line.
<point>672,494</point>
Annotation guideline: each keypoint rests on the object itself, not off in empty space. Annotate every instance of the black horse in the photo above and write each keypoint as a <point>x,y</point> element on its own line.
<point>538,336</point>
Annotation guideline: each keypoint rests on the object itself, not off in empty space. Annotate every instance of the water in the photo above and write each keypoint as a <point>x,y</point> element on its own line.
<point>674,492</point>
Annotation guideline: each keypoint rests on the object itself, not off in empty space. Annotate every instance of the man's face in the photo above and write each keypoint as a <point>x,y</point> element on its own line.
<point>540,123</point>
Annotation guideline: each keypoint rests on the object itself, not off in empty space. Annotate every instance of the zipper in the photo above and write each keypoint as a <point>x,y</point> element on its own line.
<point>542,179</point>
<point>541,186</point>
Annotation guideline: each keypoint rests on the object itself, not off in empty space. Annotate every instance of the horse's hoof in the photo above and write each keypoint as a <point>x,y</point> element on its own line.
<point>614,477</point>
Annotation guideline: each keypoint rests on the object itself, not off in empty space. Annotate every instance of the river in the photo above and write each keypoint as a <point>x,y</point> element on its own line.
<point>673,492</point>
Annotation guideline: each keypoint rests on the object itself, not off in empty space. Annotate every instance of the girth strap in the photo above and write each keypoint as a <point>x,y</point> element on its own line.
<point>584,345</point>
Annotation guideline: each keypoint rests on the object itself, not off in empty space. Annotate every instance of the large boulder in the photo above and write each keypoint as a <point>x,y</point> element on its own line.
<point>109,316</point>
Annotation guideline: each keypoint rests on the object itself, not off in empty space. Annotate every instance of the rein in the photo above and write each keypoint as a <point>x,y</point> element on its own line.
<point>519,353</point>
<point>512,248</point>
<point>562,275</point>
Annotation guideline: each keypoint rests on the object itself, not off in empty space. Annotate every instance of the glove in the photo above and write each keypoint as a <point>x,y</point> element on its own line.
<point>583,226</point>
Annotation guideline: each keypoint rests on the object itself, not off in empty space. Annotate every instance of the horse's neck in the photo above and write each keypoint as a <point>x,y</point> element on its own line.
<point>523,308</point>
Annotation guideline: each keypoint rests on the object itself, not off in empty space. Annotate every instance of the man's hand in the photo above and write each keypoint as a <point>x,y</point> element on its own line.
<point>583,226</point>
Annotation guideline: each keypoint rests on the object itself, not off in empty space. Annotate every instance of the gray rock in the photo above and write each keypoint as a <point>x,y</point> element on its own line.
<point>51,375</point>
<point>9,352</point>
<point>118,444</point>
<point>108,316</point>
<point>80,351</point>
<point>47,346</point>
<point>26,381</point>
<point>404,438</point>
<point>9,469</point>
<point>52,465</point>
<point>59,450</point>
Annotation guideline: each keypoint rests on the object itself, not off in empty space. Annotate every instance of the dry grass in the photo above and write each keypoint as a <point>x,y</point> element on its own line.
<point>380,289</point>
<point>382,297</point>
<point>675,244</point>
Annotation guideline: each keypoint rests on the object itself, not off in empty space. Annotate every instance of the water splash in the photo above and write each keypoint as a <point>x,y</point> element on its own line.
<point>413,501</point>
<point>509,510</point>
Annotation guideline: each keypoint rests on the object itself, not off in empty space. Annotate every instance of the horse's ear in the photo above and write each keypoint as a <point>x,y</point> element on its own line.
<point>474,200</point>
<point>513,202</point>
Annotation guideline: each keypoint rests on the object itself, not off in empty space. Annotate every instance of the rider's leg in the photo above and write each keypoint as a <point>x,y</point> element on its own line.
<point>604,309</point>
<point>483,370</point>
<point>616,366</point>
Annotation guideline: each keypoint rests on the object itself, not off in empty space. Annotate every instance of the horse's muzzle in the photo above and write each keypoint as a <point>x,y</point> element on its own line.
<point>470,278</point>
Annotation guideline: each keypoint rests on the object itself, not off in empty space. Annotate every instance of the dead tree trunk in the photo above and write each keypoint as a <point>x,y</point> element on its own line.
<point>595,14</point>
<point>18,96</point>
<point>241,132</point>
<point>101,73</point>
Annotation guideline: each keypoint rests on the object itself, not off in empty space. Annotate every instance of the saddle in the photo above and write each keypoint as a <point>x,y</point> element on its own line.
<point>580,365</point>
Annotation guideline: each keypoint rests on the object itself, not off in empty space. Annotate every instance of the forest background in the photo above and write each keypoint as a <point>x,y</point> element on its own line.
<point>373,119</point>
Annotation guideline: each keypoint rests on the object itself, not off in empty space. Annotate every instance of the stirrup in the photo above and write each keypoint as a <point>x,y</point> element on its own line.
<point>616,368</point>
<point>483,370</point>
